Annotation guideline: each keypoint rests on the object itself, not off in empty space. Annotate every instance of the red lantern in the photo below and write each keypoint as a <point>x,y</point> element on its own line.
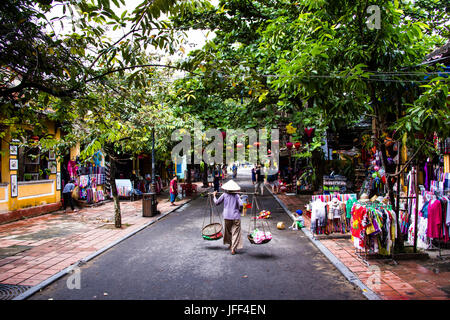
<point>224,134</point>
<point>256,144</point>
<point>35,138</point>
<point>309,132</point>
<point>289,145</point>
<point>297,145</point>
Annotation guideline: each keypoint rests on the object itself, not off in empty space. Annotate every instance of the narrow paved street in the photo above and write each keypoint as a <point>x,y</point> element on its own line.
<point>170,260</point>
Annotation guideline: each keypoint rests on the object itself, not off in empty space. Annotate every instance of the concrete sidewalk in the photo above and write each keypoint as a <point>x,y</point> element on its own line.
<point>399,280</point>
<point>35,249</point>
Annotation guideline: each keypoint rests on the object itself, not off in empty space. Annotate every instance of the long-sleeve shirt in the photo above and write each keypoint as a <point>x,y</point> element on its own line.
<point>434,229</point>
<point>231,205</point>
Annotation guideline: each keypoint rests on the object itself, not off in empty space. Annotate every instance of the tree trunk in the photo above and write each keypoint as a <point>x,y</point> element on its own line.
<point>205,175</point>
<point>380,125</point>
<point>117,213</point>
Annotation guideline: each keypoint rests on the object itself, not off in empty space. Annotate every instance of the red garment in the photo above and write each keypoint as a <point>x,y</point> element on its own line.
<point>434,229</point>
<point>357,225</point>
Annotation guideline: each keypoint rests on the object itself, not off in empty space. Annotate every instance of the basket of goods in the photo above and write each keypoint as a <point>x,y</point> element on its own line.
<point>259,229</point>
<point>264,214</point>
<point>259,236</point>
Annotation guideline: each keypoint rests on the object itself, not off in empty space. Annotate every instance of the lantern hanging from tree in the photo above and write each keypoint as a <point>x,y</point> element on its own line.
<point>290,129</point>
<point>289,145</point>
<point>297,145</point>
<point>309,132</point>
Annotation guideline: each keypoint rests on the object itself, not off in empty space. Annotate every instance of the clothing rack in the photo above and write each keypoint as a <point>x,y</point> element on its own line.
<point>363,255</point>
<point>440,256</point>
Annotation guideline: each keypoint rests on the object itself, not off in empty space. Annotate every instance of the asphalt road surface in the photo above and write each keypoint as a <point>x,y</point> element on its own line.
<point>169,260</point>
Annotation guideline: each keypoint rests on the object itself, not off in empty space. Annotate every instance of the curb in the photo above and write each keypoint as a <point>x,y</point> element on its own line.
<point>70,268</point>
<point>367,292</point>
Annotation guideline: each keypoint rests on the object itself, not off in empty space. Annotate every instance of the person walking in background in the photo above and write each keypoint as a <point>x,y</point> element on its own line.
<point>224,172</point>
<point>67,195</point>
<point>259,179</point>
<point>253,175</point>
<point>216,181</point>
<point>274,183</point>
<point>232,205</point>
<point>234,171</point>
<point>173,190</point>
<point>244,199</point>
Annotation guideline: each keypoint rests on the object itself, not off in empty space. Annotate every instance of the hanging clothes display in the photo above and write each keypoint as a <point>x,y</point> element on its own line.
<point>72,168</point>
<point>433,220</point>
<point>318,216</point>
<point>373,227</point>
<point>331,213</point>
<point>423,241</point>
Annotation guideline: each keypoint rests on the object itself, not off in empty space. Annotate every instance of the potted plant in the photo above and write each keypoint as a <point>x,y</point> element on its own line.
<point>44,174</point>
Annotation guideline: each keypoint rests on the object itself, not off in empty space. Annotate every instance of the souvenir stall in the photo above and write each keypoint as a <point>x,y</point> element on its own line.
<point>330,213</point>
<point>431,209</point>
<point>424,216</point>
<point>90,178</point>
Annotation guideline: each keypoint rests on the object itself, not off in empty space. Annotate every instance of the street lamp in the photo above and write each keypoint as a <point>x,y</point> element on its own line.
<point>153,205</point>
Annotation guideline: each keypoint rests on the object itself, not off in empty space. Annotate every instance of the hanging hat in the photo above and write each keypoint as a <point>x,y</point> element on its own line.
<point>231,186</point>
<point>364,197</point>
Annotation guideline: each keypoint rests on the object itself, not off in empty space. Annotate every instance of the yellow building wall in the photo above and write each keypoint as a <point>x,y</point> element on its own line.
<point>4,198</point>
<point>30,193</point>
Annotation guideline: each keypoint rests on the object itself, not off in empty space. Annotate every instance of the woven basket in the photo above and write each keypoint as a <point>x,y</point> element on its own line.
<point>212,231</point>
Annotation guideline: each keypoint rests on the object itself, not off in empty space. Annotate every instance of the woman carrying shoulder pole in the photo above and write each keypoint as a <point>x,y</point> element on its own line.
<point>232,205</point>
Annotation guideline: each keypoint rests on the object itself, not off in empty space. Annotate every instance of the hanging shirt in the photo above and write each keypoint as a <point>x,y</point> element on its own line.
<point>447,221</point>
<point>349,206</point>
<point>434,229</point>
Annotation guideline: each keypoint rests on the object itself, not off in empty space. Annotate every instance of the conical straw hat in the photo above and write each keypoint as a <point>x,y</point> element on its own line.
<point>231,186</point>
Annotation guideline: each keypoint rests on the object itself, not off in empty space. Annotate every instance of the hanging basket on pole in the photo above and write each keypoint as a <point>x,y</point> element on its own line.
<point>212,230</point>
<point>260,234</point>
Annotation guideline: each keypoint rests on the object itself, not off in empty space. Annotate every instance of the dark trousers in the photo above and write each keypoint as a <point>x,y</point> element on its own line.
<point>68,200</point>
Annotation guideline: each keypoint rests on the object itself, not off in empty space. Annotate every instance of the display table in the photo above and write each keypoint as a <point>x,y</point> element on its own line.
<point>335,184</point>
<point>188,188</point>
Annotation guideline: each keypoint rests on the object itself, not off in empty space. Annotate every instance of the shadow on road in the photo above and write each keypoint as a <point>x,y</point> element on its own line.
<point>262,256</point>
